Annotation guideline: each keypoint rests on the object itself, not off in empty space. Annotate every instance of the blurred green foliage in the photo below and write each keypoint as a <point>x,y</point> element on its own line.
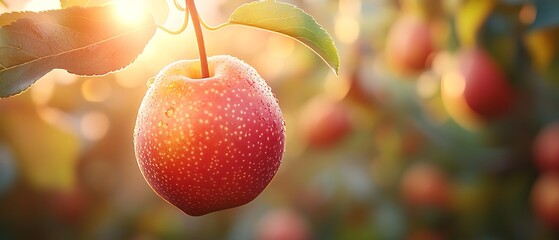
<point>68,170</point>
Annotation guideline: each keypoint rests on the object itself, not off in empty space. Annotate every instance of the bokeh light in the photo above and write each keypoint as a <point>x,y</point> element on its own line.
<point>94,125</point>
<point>346,29</point>
<point>454,84</point>
<point>129,11</point>
<point>95,90</point>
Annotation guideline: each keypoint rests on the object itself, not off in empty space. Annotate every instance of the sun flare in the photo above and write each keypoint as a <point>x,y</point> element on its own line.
<point>129,11</point>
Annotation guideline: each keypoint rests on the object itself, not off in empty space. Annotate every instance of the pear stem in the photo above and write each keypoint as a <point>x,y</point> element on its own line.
<point>199,37</point>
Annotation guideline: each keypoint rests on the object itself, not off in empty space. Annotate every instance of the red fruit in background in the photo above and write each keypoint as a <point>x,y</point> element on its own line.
<point>546,148</point>
<point>282,224</point>
<point>209,144</point>
<point>425,185</point>
<point>545,198</point>
<point>324,122</point>
<point>487,91</point>
<point>409,45</point>
<point>452,95</point>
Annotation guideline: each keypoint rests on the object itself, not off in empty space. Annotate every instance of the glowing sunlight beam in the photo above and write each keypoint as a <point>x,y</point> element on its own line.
<point>129,11</point>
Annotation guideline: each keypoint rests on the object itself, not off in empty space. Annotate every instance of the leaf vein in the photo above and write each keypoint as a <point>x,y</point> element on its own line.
<point>20,49</point>
<point>77,49</point>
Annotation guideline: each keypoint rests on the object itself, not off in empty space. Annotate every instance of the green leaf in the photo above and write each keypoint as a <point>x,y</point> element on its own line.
<point>292,21</point>
<point>3,3</point>
<point>546,14</point>
<point>84,41</point>
<point>51,165</point>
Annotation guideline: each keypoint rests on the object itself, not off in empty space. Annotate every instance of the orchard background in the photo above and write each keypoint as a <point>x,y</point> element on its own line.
<point>389,149</point>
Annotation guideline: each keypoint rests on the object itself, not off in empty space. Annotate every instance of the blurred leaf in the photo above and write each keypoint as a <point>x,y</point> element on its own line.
<point>425,8</point>
<point>541,45</point>
<point>453,41</point>
<point>552,72</point>
<point>496,37</point>
<point>3,3</point>
<point>82,3</point>
<point>546,14</point>
<point>292,21</point>
<point>45,153</point>
<point>84,41</point>
<point>469,19</point>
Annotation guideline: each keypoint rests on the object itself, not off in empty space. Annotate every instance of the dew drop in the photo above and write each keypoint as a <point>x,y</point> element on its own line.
<point>150,81</point>
<point>170,112</point>
<point>171,85</point>
<point>162,124</point>
<point>250,82</point>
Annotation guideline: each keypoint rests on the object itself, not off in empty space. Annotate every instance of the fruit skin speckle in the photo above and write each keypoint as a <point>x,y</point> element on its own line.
<point>209,144</point>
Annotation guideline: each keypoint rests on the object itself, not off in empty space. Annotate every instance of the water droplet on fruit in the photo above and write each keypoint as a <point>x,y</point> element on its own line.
<point>162,124</point>
<point>250,82</point>
<point>150,81</point>
<point>171,85</point>
<point>170,112</point>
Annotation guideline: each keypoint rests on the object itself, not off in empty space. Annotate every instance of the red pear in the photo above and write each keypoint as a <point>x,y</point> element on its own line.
<point>324,122</point>
<point>546,148</point>
<point>487,90</point>
<point>409,45</point>
<point>209,144</point>
<point>545,198</point>
<point>425,185</point>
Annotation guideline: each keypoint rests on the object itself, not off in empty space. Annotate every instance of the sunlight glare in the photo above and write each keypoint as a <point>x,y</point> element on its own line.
<point>129,11</point>
<point>96,90</point>
<point>42,5</point>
